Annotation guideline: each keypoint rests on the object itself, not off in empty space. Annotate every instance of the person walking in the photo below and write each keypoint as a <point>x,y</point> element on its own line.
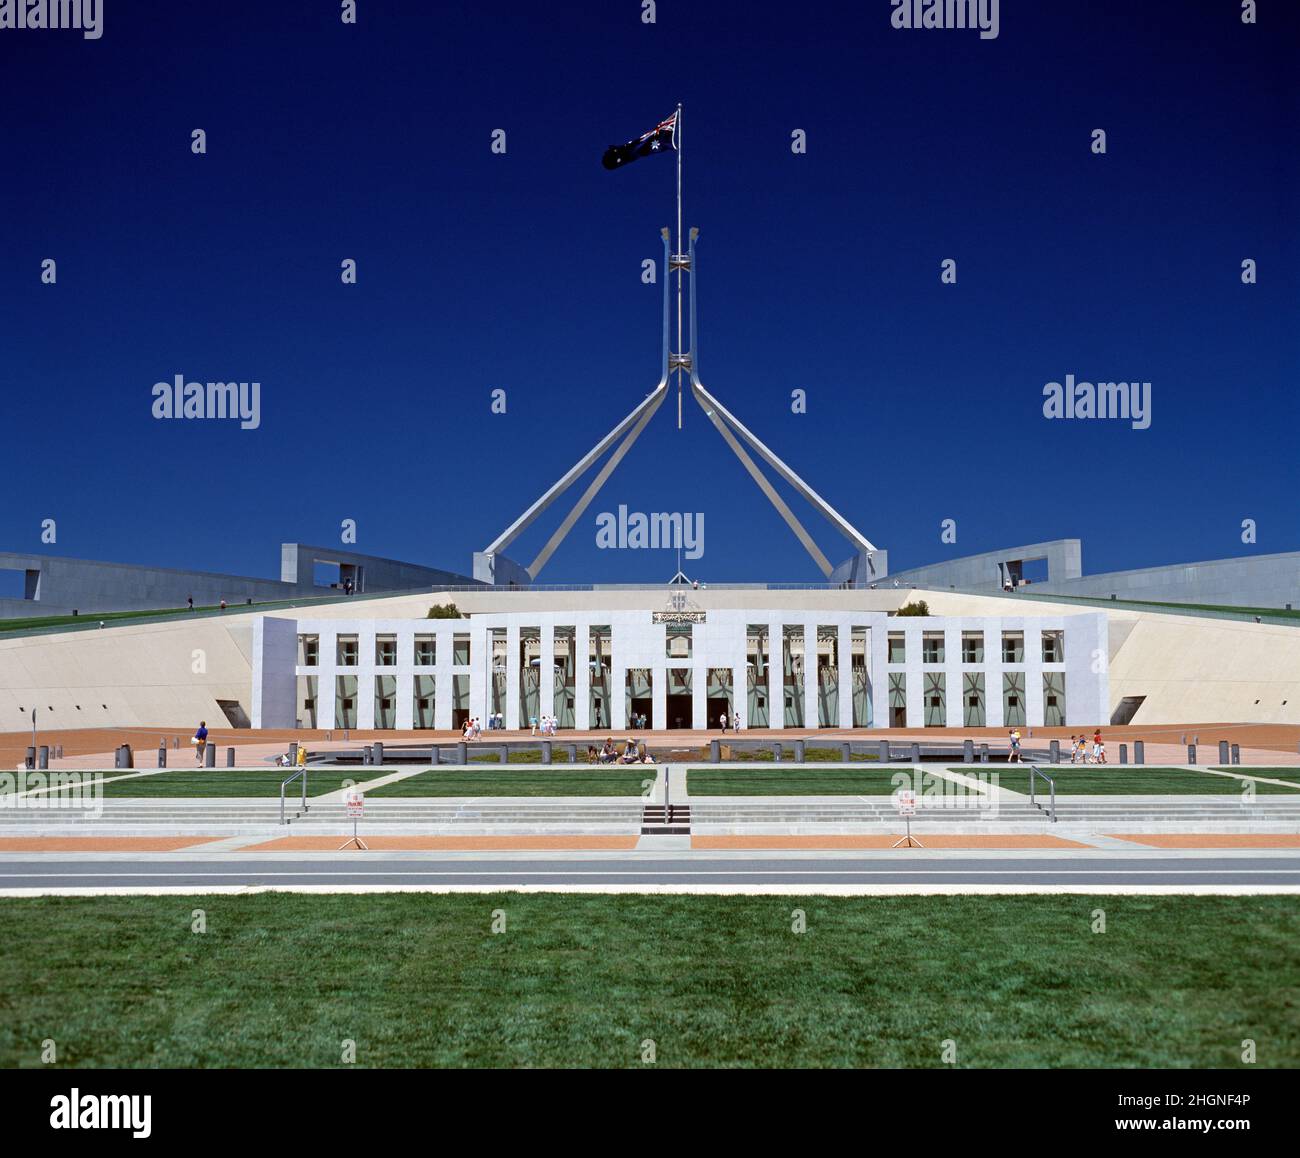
<point>200,742</point>
<point>722,719</point>
<point>1014,754</point>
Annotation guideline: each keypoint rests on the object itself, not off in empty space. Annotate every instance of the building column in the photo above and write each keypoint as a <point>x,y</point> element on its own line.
<point>512,676</point>
<point>659,695</point>
<point>810,712</point>
<point>442,683</point>
<point>582,677</point>
<point>844,658</point>
<point>480,666</point>
<point>775,676</point>
<point>365,674</point>
<point>405,718</point>
<point>878,667</point>
<point>912,644</point>
<point>546,673</point>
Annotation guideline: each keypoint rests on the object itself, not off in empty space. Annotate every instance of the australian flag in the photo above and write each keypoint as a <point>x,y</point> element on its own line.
<point>660,139</point>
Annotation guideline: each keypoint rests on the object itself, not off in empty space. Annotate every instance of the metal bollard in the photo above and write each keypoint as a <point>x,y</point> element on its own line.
<point>209,755</point>
<point>434,754</point>
<point>1236,753</point>
<point>798,751</point>
<point>377,753</point>
<point>546,751</point>
<point>715,751</point>
<point>777,753</point>
<point>230,757</point>
<point>43,756</point>
<point>1191,753</point>
<point>293,753</point>
<point>846,752</point>
<point>1139,752</point>
<point>29,761</point>
<point>968,751</point>
<point>984,753</point>
<point>1123,753</point>
<point>1223,752</point>
<point>461,755</point>
<point>916,753</point>
<point>365,754</point>
<point>162,755</point>
<point>1055,749</point>
<point>571,751</point>
<point>884,751</point>
<point>505,755</point>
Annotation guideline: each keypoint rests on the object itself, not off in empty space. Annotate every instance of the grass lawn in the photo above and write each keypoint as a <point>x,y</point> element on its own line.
<point>420,980</point>
<point>505,781</point>
<point>1131,780</point>
<point>185,782</point>
<point>523,757</point>
<point>783,780</point>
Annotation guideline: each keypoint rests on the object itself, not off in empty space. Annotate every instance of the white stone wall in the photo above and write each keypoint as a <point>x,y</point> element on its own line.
<point>719,642</point>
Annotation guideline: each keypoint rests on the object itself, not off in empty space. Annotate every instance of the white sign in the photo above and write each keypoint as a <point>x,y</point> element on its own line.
<point>905,802</point>
<point>355,803</point>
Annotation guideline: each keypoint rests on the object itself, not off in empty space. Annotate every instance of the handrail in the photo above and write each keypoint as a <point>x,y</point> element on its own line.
<point>1051,807</point>
<point>285,783</point>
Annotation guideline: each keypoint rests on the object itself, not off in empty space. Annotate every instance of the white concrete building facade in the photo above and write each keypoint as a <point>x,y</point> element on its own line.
<point>777,667</point>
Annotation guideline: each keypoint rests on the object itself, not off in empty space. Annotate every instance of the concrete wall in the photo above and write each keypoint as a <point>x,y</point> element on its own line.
<point>1248,581</point>
<point>1064,561</point>
<point>90,587</point>
<point>1251,581</point>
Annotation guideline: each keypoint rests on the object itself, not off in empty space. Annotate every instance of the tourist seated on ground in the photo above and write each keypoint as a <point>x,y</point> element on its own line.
<point>593,754</point>
<point>284,761</point>
<point>608,753</point>
<point>630,753</point>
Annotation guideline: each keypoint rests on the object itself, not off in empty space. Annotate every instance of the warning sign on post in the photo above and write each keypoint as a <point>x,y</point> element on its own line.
<point>355,803</point>
<point>905,802</point>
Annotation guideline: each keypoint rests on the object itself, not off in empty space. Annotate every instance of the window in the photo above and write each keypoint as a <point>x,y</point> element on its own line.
<point>346,651</point>
<point>932,647</point>
<point>1013,647</point>
<point>972,647</point>
<point>385,651</point>
<point>426,652</point>
<point>1053,646</point>
<point>897,647</point>
<point>308,650</point>
<point>460,651</point>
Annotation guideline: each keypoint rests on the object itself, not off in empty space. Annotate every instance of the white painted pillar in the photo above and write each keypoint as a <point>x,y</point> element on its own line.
<point>582,677</point>
<point>546,673</point>
<point>844,648</point>
<point>512,677</point>
<point>775,676</point>
<point>810,713</point>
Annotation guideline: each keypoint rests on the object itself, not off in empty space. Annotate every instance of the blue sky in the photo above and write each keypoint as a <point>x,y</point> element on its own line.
<point>522,272</point>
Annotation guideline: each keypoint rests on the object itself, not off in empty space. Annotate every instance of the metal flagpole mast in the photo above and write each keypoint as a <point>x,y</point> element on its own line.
<point>677,133</point>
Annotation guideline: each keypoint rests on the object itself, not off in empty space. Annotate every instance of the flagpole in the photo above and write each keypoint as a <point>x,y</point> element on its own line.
<point>680,250</point>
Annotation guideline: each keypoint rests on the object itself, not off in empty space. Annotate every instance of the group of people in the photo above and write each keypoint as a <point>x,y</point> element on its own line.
<point>724,723</point>
<point>546,726</point>
<point>608,753</point>
<point>1079,753</point>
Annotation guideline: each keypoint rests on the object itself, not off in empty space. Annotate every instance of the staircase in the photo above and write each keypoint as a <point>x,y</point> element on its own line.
<point>666,820</point>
